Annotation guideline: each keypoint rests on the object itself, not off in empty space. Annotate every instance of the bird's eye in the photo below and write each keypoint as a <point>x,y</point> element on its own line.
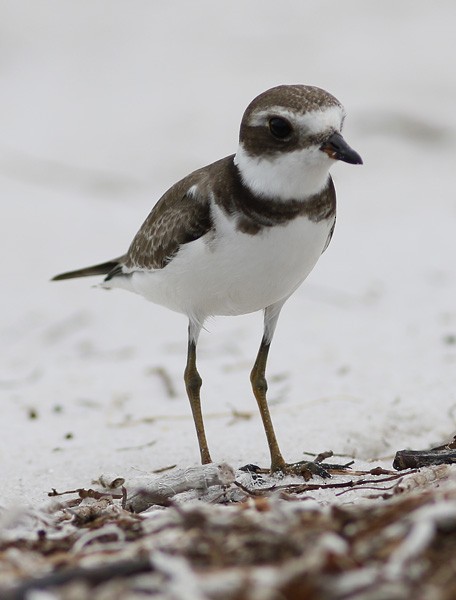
<point>280,128</point>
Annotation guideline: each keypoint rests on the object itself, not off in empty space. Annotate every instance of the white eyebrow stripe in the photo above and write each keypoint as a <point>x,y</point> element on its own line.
<point>313,122</point>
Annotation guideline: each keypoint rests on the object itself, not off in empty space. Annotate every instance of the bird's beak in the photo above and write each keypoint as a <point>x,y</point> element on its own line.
<point>338,149</point>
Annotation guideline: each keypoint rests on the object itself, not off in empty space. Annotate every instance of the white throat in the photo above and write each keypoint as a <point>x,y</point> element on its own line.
<point>285,176</point>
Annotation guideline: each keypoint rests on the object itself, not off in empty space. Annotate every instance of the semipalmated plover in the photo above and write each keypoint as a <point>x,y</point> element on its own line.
<point>242,233</point>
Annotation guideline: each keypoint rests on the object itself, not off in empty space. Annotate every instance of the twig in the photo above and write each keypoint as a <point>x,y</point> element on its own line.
<point>139,447</point>
<point>371,487</point>
<point>323,456</point>
<point>414,459</point>
<point>93,576</point>
<point>163,469</point>
<point>166,379</point>
<point>308,487</point>
<point>83,493</point>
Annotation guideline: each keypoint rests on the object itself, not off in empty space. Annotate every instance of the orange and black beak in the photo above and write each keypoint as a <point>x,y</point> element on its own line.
<point>338,149</point>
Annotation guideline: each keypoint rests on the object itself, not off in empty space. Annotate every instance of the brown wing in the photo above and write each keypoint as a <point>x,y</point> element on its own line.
<point>181,216</point>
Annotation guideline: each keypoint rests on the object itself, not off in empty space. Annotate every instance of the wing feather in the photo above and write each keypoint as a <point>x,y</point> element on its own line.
<point>181,216</point>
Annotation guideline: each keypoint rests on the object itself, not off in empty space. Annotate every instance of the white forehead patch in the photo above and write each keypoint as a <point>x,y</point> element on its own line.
<point>313,122</point>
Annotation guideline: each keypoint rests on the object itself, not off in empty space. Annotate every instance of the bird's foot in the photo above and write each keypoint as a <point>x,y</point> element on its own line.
<point>307,469</point>
<point>304,468</point>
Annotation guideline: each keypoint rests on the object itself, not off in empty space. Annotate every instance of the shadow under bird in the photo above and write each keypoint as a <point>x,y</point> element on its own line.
<point>241,234</point>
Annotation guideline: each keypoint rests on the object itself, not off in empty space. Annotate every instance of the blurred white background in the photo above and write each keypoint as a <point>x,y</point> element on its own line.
<point>103,105</point>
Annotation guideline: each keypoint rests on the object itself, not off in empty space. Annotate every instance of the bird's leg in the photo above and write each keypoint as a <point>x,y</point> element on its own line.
<point>193,383</point>
<point>260,386</point>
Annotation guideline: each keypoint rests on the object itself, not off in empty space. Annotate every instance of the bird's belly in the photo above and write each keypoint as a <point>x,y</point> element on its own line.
<point>236,273</point>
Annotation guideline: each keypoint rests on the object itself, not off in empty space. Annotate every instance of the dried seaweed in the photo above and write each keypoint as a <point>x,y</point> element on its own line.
<point>274,544</point>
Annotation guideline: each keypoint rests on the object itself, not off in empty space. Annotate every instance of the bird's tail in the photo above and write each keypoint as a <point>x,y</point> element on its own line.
<point>105,268</point>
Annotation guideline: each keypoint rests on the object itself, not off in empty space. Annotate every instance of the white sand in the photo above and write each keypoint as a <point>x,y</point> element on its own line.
<point>103,106</point>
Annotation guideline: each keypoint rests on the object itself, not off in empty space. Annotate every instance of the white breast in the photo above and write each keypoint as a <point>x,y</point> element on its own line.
<point>234,273</point>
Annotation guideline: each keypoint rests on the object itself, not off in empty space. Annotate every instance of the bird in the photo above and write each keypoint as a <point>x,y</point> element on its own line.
<point>241,234</point>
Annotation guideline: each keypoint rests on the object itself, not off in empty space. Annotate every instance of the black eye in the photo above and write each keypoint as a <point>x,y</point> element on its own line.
<point>280,128</point>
